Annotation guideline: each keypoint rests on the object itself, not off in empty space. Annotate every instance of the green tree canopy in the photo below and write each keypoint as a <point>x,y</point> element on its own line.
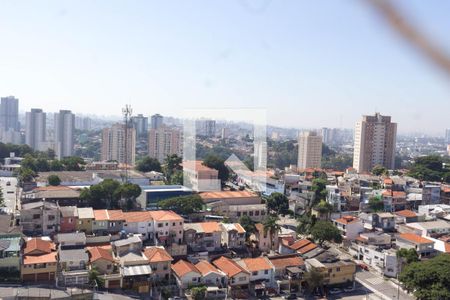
<point>379,170</point>
<point>277,203</point>
<point>248,224</point>
<point>325,231</point>
<point>111,194</point>
<point>198,292</point>
<point>183,205</point>
<point>376,203</point>
<point>410,255</point>
<point>172,163</point>
<point>430,168</point>
<point>148,164</point>
<point>53,180</point>
<point>272,227</point>
<point>128,193</point>
<point>323,207</point>
<point>217,163</point>
<point>314,279</point>
<point>428,279</point>
<point>319,187</point>
<point>305,223</point>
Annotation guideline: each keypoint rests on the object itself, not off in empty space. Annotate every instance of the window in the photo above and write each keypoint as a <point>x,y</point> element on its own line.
<point>338,269</point>
<point>250,214</point>
<point>181,223</point>
<point>108,267</point>
<point>167,224</point>
<point>238,213</point>
<point>266,272</point>
<point>173,224</point>
<point>51,217</point>
<point>263,213</point>
<point>240,279</point>
<point>36,216</point>
<point>160,225</point>
<point>255,273</point>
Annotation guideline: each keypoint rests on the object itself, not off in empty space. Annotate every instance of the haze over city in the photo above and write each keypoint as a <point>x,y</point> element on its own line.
<point>310,64</point>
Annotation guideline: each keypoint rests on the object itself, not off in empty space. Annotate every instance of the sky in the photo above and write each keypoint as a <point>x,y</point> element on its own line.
<point>310,64</point>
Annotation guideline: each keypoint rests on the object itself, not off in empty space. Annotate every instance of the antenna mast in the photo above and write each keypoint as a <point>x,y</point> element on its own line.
<point>126,112</point>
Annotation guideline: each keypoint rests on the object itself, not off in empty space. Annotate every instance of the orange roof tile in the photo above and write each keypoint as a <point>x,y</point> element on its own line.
<point>388,181</point>
<point>39,259</point>
<point>183,267</point>
<point>347,220</point>
<point>257,264</point>
<point>307,248</point>
<point>406,213</point>
<point>447,247</point>
<point>414,238</point>
<point>299,244</point>
<point>239,228</point>
<point>398,194</point>
<point>210,227</point>
<point>206,267</point>
<point>284,261</point>
<point>165,215</point>
<point>227,194</point>
<point>97,253</point>
<point>157,254</point>
<point>38,245</point>
<point>53,188</point>
<point>115,215</point>
<point>137,216</point>
<point>100,215</point>
<point>228,266</point>
<point>198,165</point>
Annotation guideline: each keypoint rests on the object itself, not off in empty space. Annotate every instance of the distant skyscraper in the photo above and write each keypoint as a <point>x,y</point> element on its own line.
<point>164,141</point>
<point>447,136</point>
<point>309,150</point>
<point>209,128</point>
<point>35,128</point>
<point>156,121</point>
<point>64,123</point>
<point>113,144</point>
<point>9,113</point>
<point>375,139</point>
<point>83,123</point>
<point>140,123</point>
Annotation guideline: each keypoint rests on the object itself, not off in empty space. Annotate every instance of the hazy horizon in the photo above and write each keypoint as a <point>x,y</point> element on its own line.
<point>310,64</point>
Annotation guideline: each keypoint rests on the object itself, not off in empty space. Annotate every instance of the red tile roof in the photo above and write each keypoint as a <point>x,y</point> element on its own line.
<point>406,213</point>
<point>210,227</point>
<point>257,264</point>
<point>183,267</point>
<point>227,194</point>
<point>300,243</point>
<point>97,253</point>
<point>205,267</point>
<point>165,215</point>
<point>38,246</point>
<point>157,254</point>
<point>347,220</point>
<point>40,259</point>
<point>137,216</point>
<point>228,266</point>
<point>414,238</point>
<point>284,261</point>
<point>307,248</point>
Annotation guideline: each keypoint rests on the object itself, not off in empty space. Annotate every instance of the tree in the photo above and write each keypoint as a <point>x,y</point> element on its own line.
<point>430,168</point>
<point>26,175</point>
<point>215,162</point>
<point>148,164</point>
<point>325,231</point>
<point>29,162</point>
<point>42,165</point>
<point>376,203</point>
<point>177,178</point>
<point>2,199</point>
<point>428,279</point>
<point>410,255</point>
<point>94,277</point>
<point>379,170</point>
<point>171,164</point>
<point>248,224</point>
<point>305,223</point>
<point>72,163</point>
<point>272,227</point>
<point>198,293</point>
<point>314,279</point>
<point>128,193</point>
<point>183,205</point>
<point>56,165</point>
<point>319,187</point>
<point>105,195</point>
<point>277,203</point>
<point>53,180</point>
<point>324,208</point>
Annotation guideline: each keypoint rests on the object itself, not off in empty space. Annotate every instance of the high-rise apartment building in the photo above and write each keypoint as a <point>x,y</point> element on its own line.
<point>209,128</point>
<point>64,124</point>
<point>83,123</point>
<point>35,128</point>
<point>140,123</point>
<point>156,121</point>
<point>309,150</point>
<point>163,142</point>
<point>114,146</point>
<point>375,138</point>
<point>9,113</point>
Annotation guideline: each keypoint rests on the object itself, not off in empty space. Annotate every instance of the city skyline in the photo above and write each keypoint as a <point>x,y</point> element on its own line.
<point>95,57</point>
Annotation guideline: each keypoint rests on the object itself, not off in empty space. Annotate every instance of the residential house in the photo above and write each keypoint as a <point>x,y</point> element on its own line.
<point>432,228</point>
<point>160,261</point>
<point>304,247</point>
<point>384,221</point>
<point>10,253</point>
<point>201,177</point>
<point>233,235</point>
<point>288,271</point>
<point>238,277</point>
<point>39,218</point>
<point>38,261</point>
<point>124,246</point>
<point>211,276</point>
<point>375,238</point>
<point>68,219</point>
<point>423,246</point>
<point>139,222</point>
<point>205,236</point>
<point>263,238</point>
<point>334,271</point>
<point>107,221</point>
<point>383,260</point>
<point>72,267</point>
<point>85,219</point>
<point>186,274</point>
<point>406,216</point>
<point>168,227</point>
<point>394,200</point>
<point>74,240</point>
<point>101,258</point>
<point>431,194</point>
<point>349,226</point>
<point>261,273</point>
<point>62,195</point>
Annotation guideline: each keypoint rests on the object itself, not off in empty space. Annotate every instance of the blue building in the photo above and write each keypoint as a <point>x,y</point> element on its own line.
<point>152,194</point>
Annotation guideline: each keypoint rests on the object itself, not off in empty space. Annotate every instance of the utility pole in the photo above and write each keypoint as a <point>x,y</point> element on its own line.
<point>126,112</point>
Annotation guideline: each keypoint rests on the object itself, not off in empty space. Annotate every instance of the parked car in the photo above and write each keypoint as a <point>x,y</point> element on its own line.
<point>363,267</point>
<point>290,296</point>
<point>335,291</point>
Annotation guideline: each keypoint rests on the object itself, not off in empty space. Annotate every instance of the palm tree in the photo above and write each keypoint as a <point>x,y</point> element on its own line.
<point>271,226</point>
<point>314,279</point>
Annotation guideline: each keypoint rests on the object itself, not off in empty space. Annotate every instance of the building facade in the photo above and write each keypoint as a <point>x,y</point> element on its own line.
<point>64,123</point>
<point>35,128</point>
<point>119,145</point>
<point>164,141</point>
<point>309,150</point>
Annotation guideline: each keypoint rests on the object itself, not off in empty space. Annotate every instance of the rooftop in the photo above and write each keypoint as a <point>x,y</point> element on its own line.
<point>406,213</point>
<point>414,238</point>
<point>183,267</point>
<point>256,264</point>
<point>205,267</point>
<point>227,194</point>
<point>157,254</point>
<point>73,255</point>
<point>97,253</point>
<point>284,261</point>
<point>228,266</point>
